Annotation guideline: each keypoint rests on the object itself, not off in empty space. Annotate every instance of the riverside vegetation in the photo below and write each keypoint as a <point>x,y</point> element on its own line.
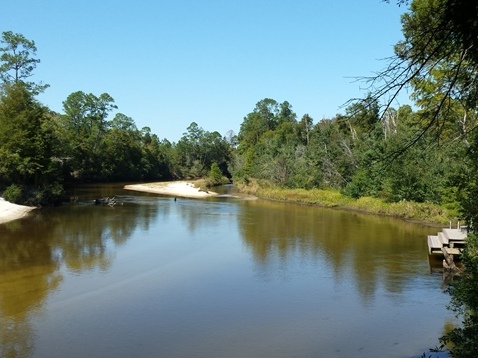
<point>415,163</point>
<point>426,213</point>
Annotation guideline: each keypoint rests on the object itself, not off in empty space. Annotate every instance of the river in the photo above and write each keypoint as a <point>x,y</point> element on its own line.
<point>224,277</point>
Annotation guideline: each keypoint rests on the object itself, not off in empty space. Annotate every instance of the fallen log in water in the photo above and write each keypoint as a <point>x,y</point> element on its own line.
<point>105,201</point>
<point>449,263</point>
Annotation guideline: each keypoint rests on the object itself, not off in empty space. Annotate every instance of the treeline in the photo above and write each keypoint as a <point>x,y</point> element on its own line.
<point>41,151</point>
<point>361,153</point>
<point>392,155</point>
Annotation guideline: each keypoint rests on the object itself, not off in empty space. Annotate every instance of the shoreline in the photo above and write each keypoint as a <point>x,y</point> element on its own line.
<point>10,211</point>
<point>419,213</point>
<point>184,189</point>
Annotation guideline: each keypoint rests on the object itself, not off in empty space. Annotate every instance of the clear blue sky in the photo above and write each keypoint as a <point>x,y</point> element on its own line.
<point>168,63</point>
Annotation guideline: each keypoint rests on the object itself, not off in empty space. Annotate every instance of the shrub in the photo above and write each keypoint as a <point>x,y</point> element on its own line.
<point>13,194</point>
<point>215,175</point>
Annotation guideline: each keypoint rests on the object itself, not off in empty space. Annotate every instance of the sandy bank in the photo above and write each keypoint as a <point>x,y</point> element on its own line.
<point>9,211</point>
<point>183,189</point>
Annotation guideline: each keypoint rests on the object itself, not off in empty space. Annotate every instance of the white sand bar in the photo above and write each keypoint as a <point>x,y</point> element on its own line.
<point>10,211</point>
<point>183,189</point>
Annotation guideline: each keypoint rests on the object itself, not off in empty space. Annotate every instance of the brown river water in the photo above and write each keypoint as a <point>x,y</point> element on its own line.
<point>223,277</point>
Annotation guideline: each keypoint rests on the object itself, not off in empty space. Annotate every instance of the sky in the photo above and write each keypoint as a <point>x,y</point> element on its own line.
<point>168,63</point>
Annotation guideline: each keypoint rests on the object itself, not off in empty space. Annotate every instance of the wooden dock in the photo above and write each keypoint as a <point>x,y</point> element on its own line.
<point>448,241</point>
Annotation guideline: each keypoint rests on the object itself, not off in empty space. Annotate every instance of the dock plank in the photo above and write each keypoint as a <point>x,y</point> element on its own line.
<point>434,245</point>
<point>452,251</point>
<point>455,235</point>
<point>443,239</point>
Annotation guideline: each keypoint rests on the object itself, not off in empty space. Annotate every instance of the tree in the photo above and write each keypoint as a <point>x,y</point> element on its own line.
<point>215,174</point>
<point>18,61</point>
<point>198,149</point>
<point>28,146</point>
<point>439,37</point>
<point>123,153</point>
<point>304,128</point>
<point>438,58</point>
<point>459,18</point>
<point>84,127</point>
<point>157,161</point>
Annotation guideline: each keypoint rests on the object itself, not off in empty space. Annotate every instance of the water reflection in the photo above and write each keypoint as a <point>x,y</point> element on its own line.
<point>200,214</point>
<point>200,277</point>
<point>79,237</point>
<point>375,250</point>
<point>28,273</point>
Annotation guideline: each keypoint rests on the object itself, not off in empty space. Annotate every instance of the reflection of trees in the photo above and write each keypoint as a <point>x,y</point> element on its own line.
<point>346,242</point>
<point>82,242</point>
<point>196,214</point>
<point>84,235</point>
<point>81,237</point>
<point>28,272</point>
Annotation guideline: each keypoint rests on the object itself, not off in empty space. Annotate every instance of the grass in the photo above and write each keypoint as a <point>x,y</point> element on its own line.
<point>422,212</point>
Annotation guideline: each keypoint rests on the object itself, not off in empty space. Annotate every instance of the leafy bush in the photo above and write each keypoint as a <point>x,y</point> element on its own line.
<point>13,194</point>
<point>464,303</point>
<point>51,194</point>
<point>215,176</point>
<point>46,195</point>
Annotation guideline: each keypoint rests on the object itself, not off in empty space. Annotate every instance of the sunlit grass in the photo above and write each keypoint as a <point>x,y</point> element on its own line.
<point>425,212</point>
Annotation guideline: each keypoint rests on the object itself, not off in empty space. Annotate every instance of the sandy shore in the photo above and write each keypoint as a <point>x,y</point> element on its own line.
<point>9,211</point>
<point>183,189</point>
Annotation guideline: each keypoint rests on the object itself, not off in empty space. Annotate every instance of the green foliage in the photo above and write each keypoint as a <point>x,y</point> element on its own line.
<point>123,151</point>
<point>361,185</point>
<point>464,302</point>
<point>13,193</point>
<point>17,61</point>
<point>425,212</point>
<point>48,194</point>
<point>27,141</point>
<point>84,129</point>
<point>439,57</point>
<point>198,149</point>
<point>43,195</point>
<point>215,174</point>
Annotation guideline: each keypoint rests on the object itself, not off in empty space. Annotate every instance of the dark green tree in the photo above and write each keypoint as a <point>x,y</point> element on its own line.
<point>123,153</point>
<point>29,156</point>
<point>438,58</point>
<point>304,127</point>
<point>157,161</point>
<point>198,149</point>
<point>215,174</point>
<point>84,126</point>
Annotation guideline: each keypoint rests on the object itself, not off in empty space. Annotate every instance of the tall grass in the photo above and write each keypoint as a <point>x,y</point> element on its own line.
<point>424,212</point>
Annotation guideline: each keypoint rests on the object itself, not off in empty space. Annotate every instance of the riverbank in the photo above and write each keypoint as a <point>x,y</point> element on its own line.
<point>10,211</point>
<point>424,213</point>
<point>184,189</point>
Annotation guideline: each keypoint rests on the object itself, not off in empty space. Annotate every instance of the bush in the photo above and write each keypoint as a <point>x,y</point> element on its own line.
<point>47,195</point>
<point>13,194</point>
<point>215,175</point>
<point>464,303</point>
